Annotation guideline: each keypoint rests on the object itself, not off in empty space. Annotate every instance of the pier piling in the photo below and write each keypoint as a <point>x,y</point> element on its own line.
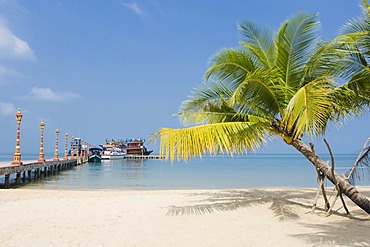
<point>7,181</point>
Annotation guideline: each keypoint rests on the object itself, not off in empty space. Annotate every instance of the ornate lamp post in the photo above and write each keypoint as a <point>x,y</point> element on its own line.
<point>66,148</point>
<point>56,154</point>
<point>41,154</point>
<point>17,154</point>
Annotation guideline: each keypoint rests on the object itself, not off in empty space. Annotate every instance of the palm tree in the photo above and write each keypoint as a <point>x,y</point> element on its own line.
<point>276,85</point>
<point>355,66</point>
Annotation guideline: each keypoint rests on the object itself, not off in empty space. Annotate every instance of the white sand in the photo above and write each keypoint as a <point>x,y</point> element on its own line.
<point>140,218</point>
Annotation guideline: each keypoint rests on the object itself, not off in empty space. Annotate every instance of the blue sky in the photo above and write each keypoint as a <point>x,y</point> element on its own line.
<point>120,69</point>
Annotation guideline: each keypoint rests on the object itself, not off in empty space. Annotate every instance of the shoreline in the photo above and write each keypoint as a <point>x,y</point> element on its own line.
<point>331,187</point>
<point>204,217</point>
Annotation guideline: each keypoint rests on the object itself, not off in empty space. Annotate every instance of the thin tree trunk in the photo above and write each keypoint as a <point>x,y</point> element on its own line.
<point>321,182</point>
<point>345,187</point>
<point>320,177</point>
<point>333,203</point>
<point>335,181</point>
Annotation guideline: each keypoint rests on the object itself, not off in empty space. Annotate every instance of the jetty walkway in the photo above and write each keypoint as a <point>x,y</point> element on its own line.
<point>35,169</point>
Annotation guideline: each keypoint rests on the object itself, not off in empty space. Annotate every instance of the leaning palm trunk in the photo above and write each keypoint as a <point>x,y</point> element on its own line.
<point>345,187</point>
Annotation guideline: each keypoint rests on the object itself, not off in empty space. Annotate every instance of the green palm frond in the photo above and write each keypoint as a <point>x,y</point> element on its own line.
<point>356,35</point>
<point>230,137</point>
<point>210,97</point>
<point>360,84</point>
<point>261,93</point>
<point>258,40</point>
<point>340,57</point>
<point>296,39</point>
<point>355,65</point>
<point>358,24</point>
<point>230,67</point>
<point>310,108</point>
<point>345,103</point>
<point>348,56</point>
<point>361,168</point>
<point>351,98</point>
<point>324,60</point>
<point>210,113</point>
<point>365,6</point>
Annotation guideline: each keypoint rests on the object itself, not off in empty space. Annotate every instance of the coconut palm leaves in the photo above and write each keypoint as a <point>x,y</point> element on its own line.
<point>361,167</point>
<point>277,84</point>
<point>258,43</point>
<point>228,137</point>
<point>295,41</point>
<point>356,67</point>
<point>309,109</point>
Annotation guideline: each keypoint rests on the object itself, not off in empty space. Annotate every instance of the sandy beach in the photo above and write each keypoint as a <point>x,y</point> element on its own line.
<point>261,217</point>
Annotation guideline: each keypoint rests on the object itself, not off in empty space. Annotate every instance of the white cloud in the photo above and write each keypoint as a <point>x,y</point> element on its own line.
<point>46,94</point>
<point>7,72</point>
<point>135,8</point>
<point>13,47</point>
<point>7,109</point>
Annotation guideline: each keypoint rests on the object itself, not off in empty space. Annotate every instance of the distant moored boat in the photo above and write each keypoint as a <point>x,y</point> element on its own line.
<point>113,154</point>
<point>122,148</point>
<point>136,146</point>
<point>95,154</point>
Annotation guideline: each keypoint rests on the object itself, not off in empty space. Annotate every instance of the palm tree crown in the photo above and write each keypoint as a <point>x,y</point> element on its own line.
<point>276,84</point>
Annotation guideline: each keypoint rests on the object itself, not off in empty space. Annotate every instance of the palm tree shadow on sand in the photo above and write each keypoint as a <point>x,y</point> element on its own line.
<point>337,234</point>
<point>281,202</point>
<point>284,205</point>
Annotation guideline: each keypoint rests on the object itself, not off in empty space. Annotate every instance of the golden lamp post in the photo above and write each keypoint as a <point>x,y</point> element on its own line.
<point>41,154</point>
<point>17,154</point>
<point>66,148</point>
<point>56,154</point>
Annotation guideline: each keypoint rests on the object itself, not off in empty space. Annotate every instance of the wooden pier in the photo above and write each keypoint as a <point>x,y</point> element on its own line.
<point>36,169</point>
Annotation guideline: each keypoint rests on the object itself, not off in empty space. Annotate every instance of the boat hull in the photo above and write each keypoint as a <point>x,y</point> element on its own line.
<point>95,158</point>
<point>113,156</point>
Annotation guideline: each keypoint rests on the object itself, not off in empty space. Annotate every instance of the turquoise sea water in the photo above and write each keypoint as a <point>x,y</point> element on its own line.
<point>221,172</point>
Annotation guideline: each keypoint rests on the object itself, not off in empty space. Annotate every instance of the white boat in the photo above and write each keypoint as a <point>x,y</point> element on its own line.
<point>113,154</point>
